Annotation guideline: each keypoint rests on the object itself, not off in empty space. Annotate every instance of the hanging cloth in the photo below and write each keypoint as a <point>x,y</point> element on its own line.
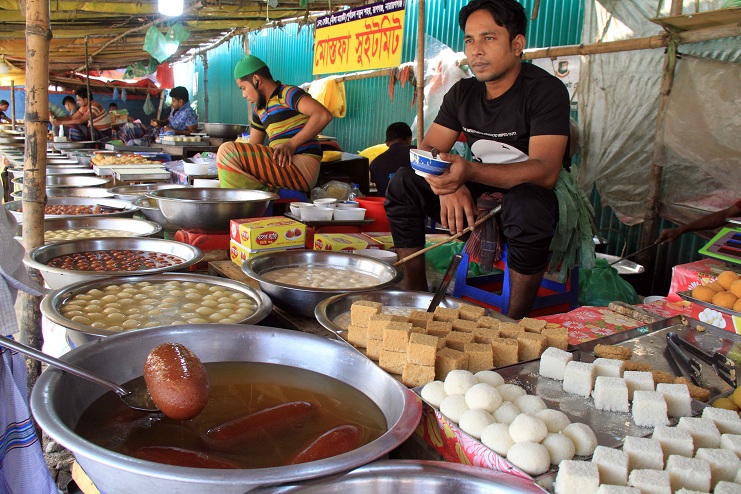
<point>148,106</point>
<point>123,94</point>
<point>114,96</point>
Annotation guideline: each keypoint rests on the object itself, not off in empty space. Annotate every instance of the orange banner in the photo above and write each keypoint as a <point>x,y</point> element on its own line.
<point>362,38</point>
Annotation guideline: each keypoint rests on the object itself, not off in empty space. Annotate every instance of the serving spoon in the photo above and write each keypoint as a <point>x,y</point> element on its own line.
<point>138,399</point>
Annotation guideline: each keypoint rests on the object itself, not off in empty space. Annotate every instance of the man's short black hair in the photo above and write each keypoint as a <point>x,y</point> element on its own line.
<point>82,93</point>
<point>180,93</point>
<point>398,130</point>
<point>507,13</point>
<point>4,102</point>
<point>69,99</point>
<point>113,105</point>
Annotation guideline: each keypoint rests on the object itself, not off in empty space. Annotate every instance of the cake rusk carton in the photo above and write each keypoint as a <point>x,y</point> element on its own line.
<point>271,233</point>
<point>344,242</point>
<point>238,253</point>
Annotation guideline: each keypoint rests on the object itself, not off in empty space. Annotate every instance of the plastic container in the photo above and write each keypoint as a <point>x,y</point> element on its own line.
<point>374,210</point>
<point>349,214</point>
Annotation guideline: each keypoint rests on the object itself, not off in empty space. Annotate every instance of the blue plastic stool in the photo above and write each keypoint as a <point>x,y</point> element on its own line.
<point>550,294</point>
<point>286,196</point>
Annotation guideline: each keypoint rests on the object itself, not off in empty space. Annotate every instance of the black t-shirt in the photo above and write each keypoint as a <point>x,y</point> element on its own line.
<point>386,164</point>
<point>499,130</point>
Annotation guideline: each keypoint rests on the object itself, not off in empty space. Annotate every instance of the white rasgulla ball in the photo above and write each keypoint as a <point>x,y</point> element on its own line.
<point>555,420</point>
<point>497,438</point>
<point>457,382</point>
<point>481,396</point>
<point>473,422</point>
<point>530,404</point>
<point>489,377</point>
<point>434,393</point>
<point>506,412</point>
<point>531,458</point>
<point>559,447</point>
<point>510,392</point>
<point>453,407</point>
<point>583,438</point>
<point>526,428</point>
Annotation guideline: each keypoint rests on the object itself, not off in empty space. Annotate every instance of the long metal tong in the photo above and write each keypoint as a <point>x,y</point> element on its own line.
<point>722,365</point>
<point>688,364</point>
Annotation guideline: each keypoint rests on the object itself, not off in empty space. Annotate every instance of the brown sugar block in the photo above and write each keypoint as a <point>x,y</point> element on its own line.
<point>471,312</point>
<point>448,360</point>
<point>418,330</point>
<point>532,325</point>
<point>485,335</point>
<point>488,322</point>
<point>357,335</point>
<point>531,345</point>
<point>379,321</point>
<point>456,340</point>
<point>392,362</point>
<point>396,339</point>
<point>480,356</point>
<point>421,349</point>
<point>505,351</point>
<point>463,325</point>
<point>361,311</point>
<point>414,375</point>
<point>420,318</point>
<point>510,330</point>
<point>375,330</point>
<point>373,350</point>
<point>557,337</point>
<point>632,365</point>
<point>439,328</point>
<point>445,314</point>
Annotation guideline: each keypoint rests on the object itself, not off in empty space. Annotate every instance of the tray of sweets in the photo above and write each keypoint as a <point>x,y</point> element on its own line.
<point>687,295</point>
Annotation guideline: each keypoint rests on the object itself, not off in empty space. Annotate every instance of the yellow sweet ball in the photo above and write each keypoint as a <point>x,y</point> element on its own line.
<point>736,397</point>
<point>724,299</point>
<point>716,287</point>
<point>736,288</point>
<point>726,278</point>
<point>703,293</point>
<point>737,305</point>
<point>726,404</point>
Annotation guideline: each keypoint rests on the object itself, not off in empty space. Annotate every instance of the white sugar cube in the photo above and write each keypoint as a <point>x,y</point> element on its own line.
<point>649,408</point>
<point>688,491</point>
<point>553,363</point>
<point>726,488</point>
<point>690,473</point>
<point>674,441</point>
<point>677,397</point>
<point>703,431</point>
<point>643,453</point>
<point>612,464</point>
<point>723,463</point>
<point>578,378</point>
<point>611,393</point>
<point>727,421</point>
<point>638,380</point>
<point>577,476</point>
<point>650,481</point>
<point>731,442</point>
<point>617,489</point>
<point>608,367</point>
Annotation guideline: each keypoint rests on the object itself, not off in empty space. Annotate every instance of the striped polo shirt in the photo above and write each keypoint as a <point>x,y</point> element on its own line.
<point>281,120</point>
<point>101,118</point>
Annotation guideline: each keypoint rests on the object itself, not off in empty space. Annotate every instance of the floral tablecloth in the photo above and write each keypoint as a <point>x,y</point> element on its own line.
<point>688,276</point>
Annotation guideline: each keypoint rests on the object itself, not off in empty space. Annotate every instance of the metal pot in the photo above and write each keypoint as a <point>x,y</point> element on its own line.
<point>223,130</point>
<point>134,192</point>
<point>303,300</point>
<point>57,278</point>
<point>210,209</point>
<point>59,399</point>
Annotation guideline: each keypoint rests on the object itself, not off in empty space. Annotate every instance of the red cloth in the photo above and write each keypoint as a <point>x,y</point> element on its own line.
<point>165,76</point>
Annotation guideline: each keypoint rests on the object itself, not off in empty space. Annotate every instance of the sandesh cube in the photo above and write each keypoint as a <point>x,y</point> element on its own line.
<point>611,393</point>
<point>553,363</point>
<point>578,378</point>
<point>649,409</point>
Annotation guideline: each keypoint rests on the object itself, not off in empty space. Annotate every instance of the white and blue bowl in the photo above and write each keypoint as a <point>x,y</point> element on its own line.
<point>424,164</point>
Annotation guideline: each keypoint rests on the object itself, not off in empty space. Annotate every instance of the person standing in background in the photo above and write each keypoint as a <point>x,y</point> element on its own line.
<point>399,141</point>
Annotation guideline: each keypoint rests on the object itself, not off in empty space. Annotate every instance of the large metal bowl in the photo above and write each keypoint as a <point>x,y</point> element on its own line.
<point>151,210</point>
<point>67,181</point>
<point>128,210</point>
<point>210,209</point>
<point>223,130</point>
<point>134,192</point>
<point>59,399</point>
<point>79,334</point>
<point>72,144</point>
<point>57,278</point>
<point>71,192</point>
<point>302,300</point>
<point>55,170</point>
<point>133,227</point>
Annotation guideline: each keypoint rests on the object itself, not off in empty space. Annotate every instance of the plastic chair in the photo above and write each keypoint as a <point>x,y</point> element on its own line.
<point>553,297</point>
<point>287,196</point>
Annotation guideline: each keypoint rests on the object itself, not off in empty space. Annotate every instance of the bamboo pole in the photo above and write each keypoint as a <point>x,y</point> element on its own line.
<point>676,8</point>
<point>420,72</point>
<point>12,104</point>
<point>89,93</point>
<point>38,34</point>
<point>163,97</point>
<point>205,86</point>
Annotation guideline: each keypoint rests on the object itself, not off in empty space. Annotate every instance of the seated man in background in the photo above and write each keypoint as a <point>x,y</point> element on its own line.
<point>183,120</point>
<point>290,119</point>
<point>399,141</point>
<point>4,105</point>
<point>81,119</point>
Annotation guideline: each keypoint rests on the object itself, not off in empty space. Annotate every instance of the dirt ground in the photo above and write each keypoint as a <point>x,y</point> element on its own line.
<point>59,460</point>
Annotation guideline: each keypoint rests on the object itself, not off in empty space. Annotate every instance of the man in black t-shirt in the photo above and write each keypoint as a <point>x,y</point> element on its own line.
<point>399,141</point>
<point>515,118</point>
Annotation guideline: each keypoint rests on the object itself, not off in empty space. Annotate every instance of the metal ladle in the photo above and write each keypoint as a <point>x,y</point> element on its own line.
<point>138,399</point>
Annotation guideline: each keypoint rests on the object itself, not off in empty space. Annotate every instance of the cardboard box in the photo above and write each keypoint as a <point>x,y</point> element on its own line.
<point>238,253</point>
<point>384,237</point>
<point>276,232</point>
<point>344,242</point>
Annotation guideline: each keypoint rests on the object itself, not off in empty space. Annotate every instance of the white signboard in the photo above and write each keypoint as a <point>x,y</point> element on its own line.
<point>566,69</point>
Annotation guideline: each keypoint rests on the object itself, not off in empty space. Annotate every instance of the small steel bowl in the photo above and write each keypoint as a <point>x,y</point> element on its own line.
<point>79,334</point>
<point>134,192</point>
<point>58,278</point>
<point>209,209</point>
<point>127,210</point>
<point>136,228</point>
<point>303,300</point>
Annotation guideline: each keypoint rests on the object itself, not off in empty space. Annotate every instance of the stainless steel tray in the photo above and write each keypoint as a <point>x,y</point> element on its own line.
<point>623,267</point>
<point>688,296</point>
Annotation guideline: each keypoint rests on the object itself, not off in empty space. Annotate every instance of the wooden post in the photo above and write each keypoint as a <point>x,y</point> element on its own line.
<point>648,233</point>
<point>12,104</point>
<point>204,58</point>
<point>676,8</point>
<point>420,72</point>
<point>38,35</point>
<point>89,94</point>
<point>163,97</point>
